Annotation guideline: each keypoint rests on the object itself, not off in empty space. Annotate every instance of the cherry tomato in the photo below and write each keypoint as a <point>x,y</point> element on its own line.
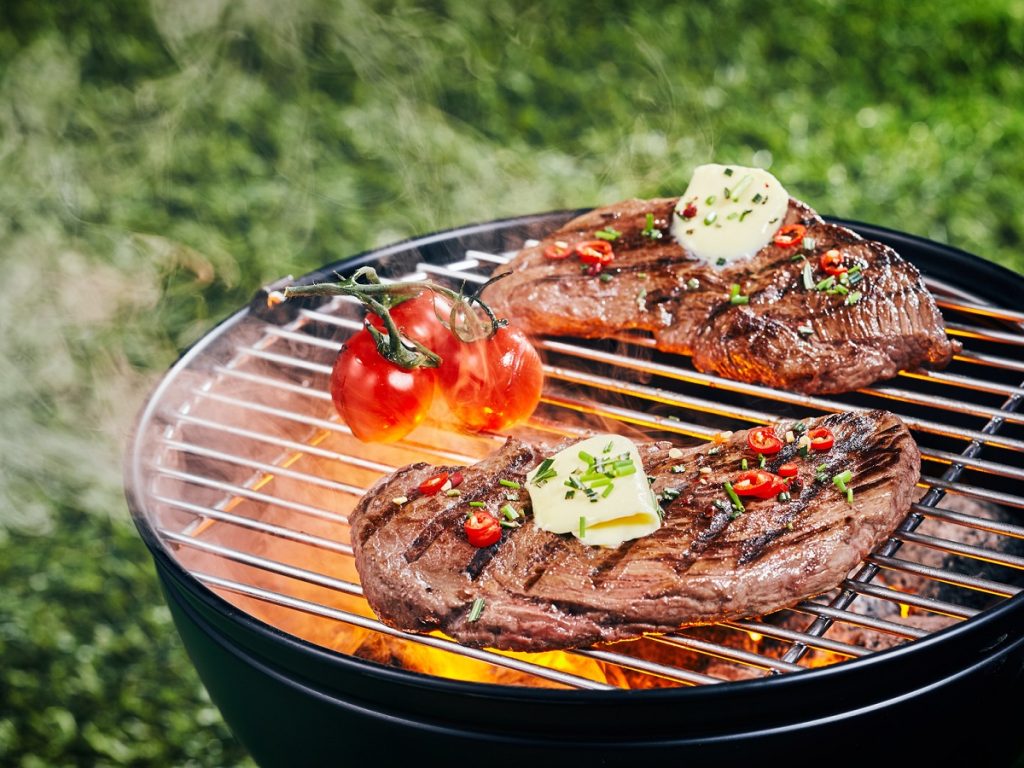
<point>418,318</point>
<point>832,262</point>
<point>821,438</point>
<point>558,250</point>
<point>790,235</point>
<point>432,485</point>
<point>492,383</point>
<point>380,401</point>
<point>763,440</point>
<point>788,470</point>
<point>595,251</point>
<point>482,528</point>
<point>759,483</point>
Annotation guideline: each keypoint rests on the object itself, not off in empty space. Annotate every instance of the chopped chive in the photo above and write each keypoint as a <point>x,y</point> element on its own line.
<point>477,504</point>
<point>828,282</point>
<point>601,482</point>
<point>678,469</point>
<point>710,218</point>
<point>784,496</point>
<point>649,229</point>
<point>608,489</point>
<point>809,243</point>
<point>804,451</point>
<point>476,610</point>
<point>799,428</point>
<point>743,464</point>
<point>727,171</point>
<point>797,257</point>
<point>608,233</point>
<point>853,298</point>
<point>710,200</point>
<point>757,198</point>
<point>746,212</point>
<point>805,330</point>
<point>713,451</point>
<point>761,461</point>
<point>586,457</point>
<point>509,512</point>
<point>734,300</point>
<point>583,526</point>
<point>608,448</point>
<point>510,484</point>
<point>451,492</point>
<point>693,284</point>
<point>849,495</point>
<point>840,289</point>
<point>808,277</point>
<point>721,261</point>
<point>570,494</point>
<point>508,524</point>
<point>605,277</point>
<point>740,188</point>
<point>733,497</point>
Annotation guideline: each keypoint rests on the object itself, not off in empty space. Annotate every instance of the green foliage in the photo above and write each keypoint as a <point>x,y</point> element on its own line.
<point>161,160</point>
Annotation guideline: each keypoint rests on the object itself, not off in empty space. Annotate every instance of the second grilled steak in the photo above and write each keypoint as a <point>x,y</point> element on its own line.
<point>542,591</point>
<point>790,334</point>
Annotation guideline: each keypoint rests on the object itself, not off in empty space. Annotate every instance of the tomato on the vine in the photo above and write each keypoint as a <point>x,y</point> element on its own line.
<point>419,318</point>
<point>380,401</point>
<point>492,383</point>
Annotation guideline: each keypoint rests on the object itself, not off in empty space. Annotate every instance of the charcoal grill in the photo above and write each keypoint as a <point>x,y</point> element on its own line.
<point>240,476</point>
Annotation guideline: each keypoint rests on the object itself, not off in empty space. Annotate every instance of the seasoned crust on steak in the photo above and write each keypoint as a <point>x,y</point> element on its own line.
<point>895,324</point>
<point>545,591</point>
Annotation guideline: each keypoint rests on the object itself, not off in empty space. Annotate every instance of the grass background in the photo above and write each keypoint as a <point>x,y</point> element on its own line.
<point>160,161</point>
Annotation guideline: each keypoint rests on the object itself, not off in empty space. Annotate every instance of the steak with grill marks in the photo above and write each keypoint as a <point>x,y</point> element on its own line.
<point>705,564</point>
<point>787,336</point>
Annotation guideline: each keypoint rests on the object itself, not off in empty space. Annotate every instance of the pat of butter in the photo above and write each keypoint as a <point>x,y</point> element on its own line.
<point>729,212</point>
<point>627,511</point>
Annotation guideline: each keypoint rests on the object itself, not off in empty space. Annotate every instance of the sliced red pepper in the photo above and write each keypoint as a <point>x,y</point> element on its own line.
<point>790,235</point>
<point>832,262</point>
<point>759,483</point>
<point>763,440</point>
<point>821,438</point>
<point>689,211</point>
<point>595,251</point>
<point>482,528</point>
<point>432,485</point>
<point>455,479</point>
<point>558,250</point>
<point>789,470</point>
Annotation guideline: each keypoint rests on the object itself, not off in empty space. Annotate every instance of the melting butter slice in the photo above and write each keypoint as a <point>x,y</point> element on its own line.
<point>729,212</point>
<point>613,509</point>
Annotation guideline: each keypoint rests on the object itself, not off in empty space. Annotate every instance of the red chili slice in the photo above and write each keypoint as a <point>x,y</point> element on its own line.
<point>821,438</point>
<point>595,251</point>
<point>482,528</point>
<point>689,211</point>
<point>456,479</point>
<point>558,250</point>
<point>763,440</point>
<point>789,470</point>
<point>832,262</point>
<point>759,483</point>
<point>790,235</point>
<point>432,485</point>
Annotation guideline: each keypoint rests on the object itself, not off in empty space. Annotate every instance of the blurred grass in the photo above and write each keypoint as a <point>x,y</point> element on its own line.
<point>160,161</point>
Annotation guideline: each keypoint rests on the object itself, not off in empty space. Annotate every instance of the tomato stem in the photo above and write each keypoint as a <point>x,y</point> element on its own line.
<point>366,286</point>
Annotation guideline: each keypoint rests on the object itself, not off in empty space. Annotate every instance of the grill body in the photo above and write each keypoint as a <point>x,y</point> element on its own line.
<point>292,702</point>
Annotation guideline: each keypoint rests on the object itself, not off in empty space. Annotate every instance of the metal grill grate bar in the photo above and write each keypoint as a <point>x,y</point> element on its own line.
<point>945,576</point>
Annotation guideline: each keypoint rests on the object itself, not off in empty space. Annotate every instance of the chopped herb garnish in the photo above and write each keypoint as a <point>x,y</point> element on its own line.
<point>840,480</point>
<point>727,171</point>
<point>746,213</point>
<point>608,448</point>
<point>570,494</point>
<point>808,243</point>
<point>693,284</point>
<point>721,261</point>
<point>477,504</point>
<point>735,297</point>
<point>669,494</point>
<point>583,526</point>
<point>797,257</point>
<point>849,495</point>
<point>713,451</point>
<point>721,505</point>
<point>736,503</point>
<point>509,512</point>
<point>828,282</point>
<point>784,496</point>
<point>710,218</point>
<point>650,230</point>
<point>451,492</point>
<point>510,484</point>
<point>743,464</point>
<point>710,200</point>
<point>678,469</point>
<point>757,198</point>
<point>608,233</point>
<point>476,610</point>
<point>853,298</point>
<point>761,461</point>
<point>740,188</point>
<point>544,472</point>
<point>605,277</point>
<point>808,277</point>
<point>805,330</point>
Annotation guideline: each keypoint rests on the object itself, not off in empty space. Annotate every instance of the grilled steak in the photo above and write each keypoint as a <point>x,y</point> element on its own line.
<point>788,335</point>
<point>705,564</point>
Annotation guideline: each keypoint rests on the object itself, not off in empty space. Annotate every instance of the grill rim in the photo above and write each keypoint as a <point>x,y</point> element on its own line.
<point>982,634</point>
